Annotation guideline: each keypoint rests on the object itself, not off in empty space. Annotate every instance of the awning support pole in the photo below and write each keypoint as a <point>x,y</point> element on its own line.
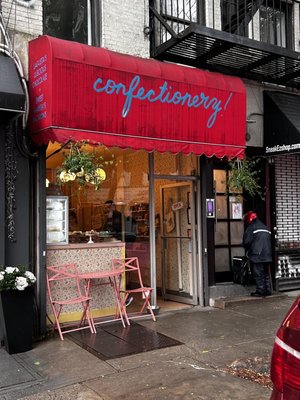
<point>152,230</point>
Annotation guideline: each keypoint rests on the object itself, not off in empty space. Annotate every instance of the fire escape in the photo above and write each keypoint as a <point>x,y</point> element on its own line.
<point>253,39</point>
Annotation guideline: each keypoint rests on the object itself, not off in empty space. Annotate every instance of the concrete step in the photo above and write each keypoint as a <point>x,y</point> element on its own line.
<point>227,302</point>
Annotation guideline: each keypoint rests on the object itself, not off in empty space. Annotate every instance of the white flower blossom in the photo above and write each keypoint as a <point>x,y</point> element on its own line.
<point>15,278</point>
<point>11,270</point>
<point>71,176</point>
<point>30,276</point>
<point>21,283</point>
<point>80,173</point>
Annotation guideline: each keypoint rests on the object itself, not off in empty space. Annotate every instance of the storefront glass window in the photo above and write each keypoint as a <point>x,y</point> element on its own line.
<point>236,231</point>
<point>221,208</point>
<point>221,234</point>
<point>175,164</point>
<point>220,180</point>
<point>119,210</point>
<point>222,260</point>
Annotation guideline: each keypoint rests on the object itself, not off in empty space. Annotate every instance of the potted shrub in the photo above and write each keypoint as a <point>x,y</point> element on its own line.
<point>16,308</point>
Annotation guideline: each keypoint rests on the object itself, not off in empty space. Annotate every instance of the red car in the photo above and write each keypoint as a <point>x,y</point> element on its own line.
<point>285,364</point>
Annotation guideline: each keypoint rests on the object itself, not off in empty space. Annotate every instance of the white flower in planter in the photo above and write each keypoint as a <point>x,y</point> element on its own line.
<point>11,270</point>
<point>15,278</point>
<point>21,283</point>
<point>30,276</point>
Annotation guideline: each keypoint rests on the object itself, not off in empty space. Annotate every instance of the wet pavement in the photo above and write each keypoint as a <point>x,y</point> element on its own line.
<point>224,355</point>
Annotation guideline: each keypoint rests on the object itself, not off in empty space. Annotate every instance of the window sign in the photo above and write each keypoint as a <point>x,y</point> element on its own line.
<point>236,210</point>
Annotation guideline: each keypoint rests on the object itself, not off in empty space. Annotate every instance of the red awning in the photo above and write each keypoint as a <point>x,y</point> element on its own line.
<point>79,92</point>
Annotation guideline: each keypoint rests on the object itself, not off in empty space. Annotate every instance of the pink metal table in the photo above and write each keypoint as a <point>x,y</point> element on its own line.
<point>113,277</point>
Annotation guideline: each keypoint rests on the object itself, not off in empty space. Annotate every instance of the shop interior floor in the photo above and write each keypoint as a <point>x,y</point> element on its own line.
<point>163,305</point>
<point>114,341</point>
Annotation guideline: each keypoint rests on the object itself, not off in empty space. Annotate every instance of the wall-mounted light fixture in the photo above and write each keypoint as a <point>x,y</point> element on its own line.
<point>147,30</point>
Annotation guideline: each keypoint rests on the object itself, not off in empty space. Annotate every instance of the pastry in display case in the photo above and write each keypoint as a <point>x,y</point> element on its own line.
<point>57,222</point>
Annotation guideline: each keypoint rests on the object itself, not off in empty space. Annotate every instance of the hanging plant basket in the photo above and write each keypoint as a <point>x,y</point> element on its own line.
<point>244,175</point>
<point>82,166</point>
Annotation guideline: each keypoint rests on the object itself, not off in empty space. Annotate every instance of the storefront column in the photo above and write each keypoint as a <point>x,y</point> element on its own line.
<point>2,195</point>
<point>200,248</point>
<point>152,230</point>
<point>40,238</point>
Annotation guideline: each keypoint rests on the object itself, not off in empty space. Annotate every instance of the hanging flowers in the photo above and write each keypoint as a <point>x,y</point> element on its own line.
<point>244,174</point>
<point>82,166</point>
<point>15,278</point>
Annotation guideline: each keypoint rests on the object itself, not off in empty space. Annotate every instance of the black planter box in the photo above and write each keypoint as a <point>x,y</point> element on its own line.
<point>17,319</point>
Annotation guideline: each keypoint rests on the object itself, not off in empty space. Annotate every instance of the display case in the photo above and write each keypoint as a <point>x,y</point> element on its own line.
<point>140,213</point>
<point>57,219</point>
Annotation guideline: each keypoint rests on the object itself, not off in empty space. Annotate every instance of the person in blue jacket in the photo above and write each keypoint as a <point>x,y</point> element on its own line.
<point>257,244</point>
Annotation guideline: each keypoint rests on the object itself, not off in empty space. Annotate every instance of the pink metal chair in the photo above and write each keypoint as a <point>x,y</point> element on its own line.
<point>58,276</point>
<point>131,265</point>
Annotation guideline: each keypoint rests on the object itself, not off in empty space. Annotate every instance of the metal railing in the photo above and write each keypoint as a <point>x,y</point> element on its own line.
<point>269,21</point>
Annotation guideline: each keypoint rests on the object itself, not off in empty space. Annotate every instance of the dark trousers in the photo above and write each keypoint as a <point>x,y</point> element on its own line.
<point>262,278</point>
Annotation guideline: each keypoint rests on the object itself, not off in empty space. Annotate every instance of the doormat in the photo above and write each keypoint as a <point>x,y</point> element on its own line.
<point>114,341</point>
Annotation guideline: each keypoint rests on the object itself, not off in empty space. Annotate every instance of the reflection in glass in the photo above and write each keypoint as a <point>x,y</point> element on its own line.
<point>220,180</point>
<point>237,252</point>
<point>221,233</point>
<point>221,207</point>
<point>66,19</point>
<point>237,231</point>
<point>175,164</point>
<point>222,260</point>
<point>272,26</point>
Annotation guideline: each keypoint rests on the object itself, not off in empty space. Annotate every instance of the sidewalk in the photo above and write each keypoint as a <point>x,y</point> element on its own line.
<point>218,344</point>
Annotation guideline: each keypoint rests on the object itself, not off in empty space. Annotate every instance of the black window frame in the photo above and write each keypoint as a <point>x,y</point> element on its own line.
<point>281,6</point>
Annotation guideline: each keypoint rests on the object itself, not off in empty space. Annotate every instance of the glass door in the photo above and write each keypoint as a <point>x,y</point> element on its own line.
<point>176,240</point>
<point>229,226</point>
